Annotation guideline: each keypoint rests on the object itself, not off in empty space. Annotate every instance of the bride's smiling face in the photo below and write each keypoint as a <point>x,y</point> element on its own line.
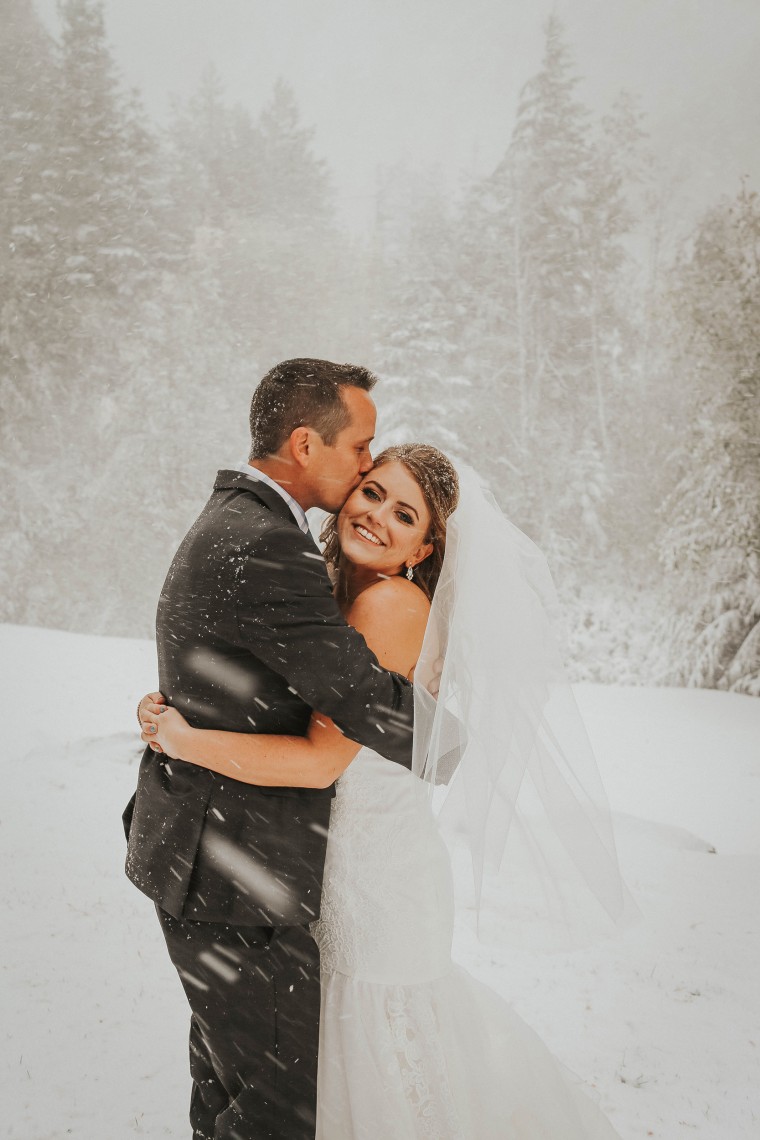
<point>385,522</point>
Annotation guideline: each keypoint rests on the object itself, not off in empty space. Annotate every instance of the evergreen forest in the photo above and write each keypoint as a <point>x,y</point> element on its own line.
<point>550,324</point>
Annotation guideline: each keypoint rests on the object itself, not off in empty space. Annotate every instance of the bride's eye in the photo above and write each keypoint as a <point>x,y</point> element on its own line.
<point>369,493</point>
<point>405,518</point>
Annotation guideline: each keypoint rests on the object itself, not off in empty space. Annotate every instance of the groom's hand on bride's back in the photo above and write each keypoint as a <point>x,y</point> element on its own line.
<point>152,703</point>
<point>434,684</point>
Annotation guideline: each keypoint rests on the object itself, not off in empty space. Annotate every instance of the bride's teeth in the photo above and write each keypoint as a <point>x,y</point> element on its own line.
<point>367,534</point>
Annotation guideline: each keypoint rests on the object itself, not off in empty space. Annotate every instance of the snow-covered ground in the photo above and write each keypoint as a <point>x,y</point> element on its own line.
<point>662,1020</point>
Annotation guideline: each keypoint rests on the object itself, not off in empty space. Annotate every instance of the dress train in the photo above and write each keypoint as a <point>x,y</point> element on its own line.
<point>411,1046</point>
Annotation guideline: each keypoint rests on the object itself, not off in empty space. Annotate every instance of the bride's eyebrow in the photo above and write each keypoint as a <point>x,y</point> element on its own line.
<point>374,482</point>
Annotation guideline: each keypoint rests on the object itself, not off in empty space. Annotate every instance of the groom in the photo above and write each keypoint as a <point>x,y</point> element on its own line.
<point>250,639</point>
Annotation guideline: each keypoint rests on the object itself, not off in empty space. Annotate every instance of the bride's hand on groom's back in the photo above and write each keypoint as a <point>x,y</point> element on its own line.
<point>153,704</point>
<point>165,730</point>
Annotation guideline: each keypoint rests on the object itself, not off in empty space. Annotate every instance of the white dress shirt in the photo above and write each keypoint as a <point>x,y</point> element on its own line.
<point>299,514</point>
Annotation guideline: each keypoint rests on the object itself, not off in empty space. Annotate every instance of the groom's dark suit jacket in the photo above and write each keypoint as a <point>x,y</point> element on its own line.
<point>250,638</point>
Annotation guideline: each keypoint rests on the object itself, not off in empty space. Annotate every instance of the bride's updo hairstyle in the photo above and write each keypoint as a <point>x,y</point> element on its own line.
<point>437,480</point>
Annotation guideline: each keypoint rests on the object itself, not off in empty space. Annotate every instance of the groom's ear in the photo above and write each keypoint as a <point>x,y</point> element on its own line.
<point>301,445</point>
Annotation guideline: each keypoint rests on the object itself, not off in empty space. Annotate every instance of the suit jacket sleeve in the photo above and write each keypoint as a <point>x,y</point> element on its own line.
<point>285,607</point>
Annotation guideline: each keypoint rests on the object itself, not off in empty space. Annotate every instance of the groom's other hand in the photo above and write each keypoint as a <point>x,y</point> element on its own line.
<point>434,684</point>
<point>152,703</point>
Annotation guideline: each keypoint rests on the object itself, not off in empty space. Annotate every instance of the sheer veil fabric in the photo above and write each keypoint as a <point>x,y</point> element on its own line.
<point>503,749</point>
<point>411,1046</point>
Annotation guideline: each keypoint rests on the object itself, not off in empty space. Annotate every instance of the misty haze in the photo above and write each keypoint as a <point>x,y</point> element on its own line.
<point>554,278</point>
<point>539,225</point>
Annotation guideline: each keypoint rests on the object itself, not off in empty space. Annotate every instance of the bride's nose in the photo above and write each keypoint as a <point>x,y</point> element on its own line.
<point>374,513</point>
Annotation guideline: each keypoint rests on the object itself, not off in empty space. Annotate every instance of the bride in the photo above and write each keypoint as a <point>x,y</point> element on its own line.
<point>411,1046</point>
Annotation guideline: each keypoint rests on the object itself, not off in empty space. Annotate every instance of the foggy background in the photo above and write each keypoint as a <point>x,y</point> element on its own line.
<point>536,222</point>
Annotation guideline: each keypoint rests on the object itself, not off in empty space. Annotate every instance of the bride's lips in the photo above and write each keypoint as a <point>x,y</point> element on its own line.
<point>367,535</point>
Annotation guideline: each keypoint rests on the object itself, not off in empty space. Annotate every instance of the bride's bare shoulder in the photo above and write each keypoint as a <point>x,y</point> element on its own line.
<point>392,598</point>
<point>392,614</point>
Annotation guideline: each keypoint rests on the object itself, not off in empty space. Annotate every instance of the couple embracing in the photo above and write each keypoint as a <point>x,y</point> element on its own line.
<point>310,921</point>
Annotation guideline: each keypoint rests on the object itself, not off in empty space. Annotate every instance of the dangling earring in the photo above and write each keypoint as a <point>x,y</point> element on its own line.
<point>410,572</point>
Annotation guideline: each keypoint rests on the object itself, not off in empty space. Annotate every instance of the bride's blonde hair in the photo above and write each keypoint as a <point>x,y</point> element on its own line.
<point>437,480</point>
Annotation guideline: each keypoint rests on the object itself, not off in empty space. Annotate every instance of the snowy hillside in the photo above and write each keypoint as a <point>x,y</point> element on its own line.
<point>663,1021</point>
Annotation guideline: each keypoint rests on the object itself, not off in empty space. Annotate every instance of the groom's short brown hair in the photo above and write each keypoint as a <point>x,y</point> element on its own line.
<point>302,393</point>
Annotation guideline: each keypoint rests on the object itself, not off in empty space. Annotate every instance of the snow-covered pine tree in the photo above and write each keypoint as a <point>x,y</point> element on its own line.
<point>293,183</point>
<point>212,169</point>
<point>88,167</point>
<point>607,220</point>
<point>417,349</point>
<point>550,339</point>
<point>260,206</point>
<point>27,222</point>
<point>710,542</point>
<point>27,231</point>
<point>287,253</point>
<point>540,241</point>
<point>109,236</point>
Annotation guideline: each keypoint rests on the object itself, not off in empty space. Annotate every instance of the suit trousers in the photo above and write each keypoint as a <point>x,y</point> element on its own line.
<point>254,994</point>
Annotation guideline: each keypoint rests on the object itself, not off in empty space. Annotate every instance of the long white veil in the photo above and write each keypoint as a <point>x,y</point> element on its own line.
<point>504,747</point>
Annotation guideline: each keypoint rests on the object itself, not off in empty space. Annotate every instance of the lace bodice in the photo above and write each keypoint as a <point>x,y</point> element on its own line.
<point>411,1046</point>
<point>387,907</point>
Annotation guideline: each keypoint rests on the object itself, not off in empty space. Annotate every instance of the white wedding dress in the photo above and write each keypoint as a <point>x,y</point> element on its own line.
<point>411,1046</point>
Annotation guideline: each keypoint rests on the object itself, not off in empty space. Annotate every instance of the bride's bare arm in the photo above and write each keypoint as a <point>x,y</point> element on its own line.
<point>391,615</point>
<point>312,761</point>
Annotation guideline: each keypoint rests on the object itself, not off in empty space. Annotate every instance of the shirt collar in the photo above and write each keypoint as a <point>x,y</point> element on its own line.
<point>299,514</point>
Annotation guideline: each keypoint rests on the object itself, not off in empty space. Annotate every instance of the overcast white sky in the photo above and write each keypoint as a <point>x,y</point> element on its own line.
<point>437,81</point>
